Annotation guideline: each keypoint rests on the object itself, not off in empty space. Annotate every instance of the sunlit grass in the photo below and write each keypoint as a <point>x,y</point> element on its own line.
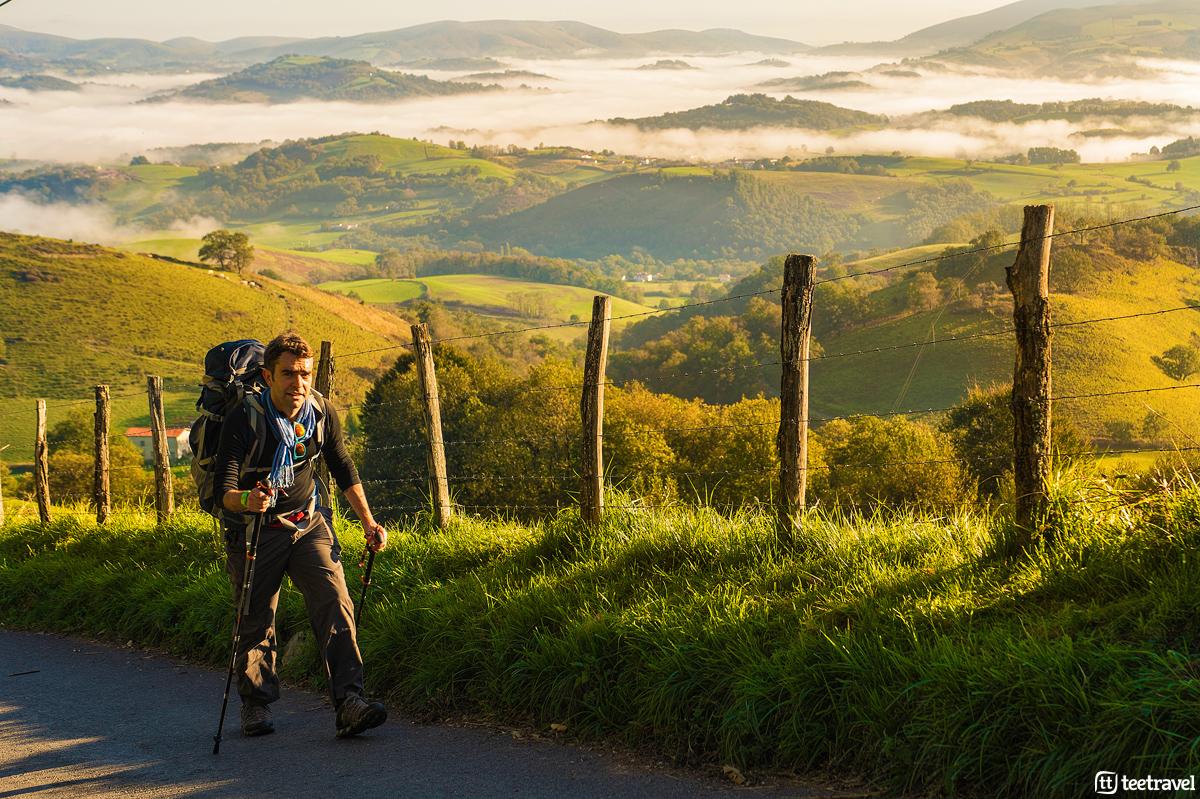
<point>915,651</point>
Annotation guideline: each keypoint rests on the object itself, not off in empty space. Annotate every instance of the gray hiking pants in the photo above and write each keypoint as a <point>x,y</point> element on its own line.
<point>311,557</point>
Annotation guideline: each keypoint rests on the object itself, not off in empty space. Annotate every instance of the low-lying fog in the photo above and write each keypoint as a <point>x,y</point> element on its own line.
<point>104,122</point>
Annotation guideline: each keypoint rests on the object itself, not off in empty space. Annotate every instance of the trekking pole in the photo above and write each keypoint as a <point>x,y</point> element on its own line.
<point>369,556</point>
<point>243,604</point>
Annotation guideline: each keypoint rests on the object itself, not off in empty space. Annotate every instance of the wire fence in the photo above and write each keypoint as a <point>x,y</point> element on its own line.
<point>396,463</point>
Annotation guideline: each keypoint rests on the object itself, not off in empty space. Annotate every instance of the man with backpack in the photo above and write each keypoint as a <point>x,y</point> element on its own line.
<point>265,463</point>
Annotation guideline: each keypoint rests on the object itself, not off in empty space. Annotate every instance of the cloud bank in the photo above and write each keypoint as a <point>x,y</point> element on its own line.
<point>103,122</point>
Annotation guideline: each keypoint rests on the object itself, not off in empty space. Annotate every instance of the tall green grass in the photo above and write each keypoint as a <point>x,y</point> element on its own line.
<point>916,652</point>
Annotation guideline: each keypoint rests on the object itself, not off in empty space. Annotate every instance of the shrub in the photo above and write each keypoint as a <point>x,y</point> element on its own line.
<point>891,462</point>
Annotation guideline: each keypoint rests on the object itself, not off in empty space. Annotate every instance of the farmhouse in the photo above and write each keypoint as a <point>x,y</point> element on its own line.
<point>178,448</point>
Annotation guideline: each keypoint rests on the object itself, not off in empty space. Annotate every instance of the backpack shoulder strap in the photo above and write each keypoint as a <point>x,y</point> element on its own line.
<point>322,411</point>
<point>256,414</point>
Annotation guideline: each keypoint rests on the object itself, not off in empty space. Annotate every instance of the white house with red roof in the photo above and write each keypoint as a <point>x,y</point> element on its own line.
<point>178,448</point>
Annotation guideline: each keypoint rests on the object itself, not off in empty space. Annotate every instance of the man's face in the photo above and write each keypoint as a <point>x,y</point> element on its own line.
<point>290,381</point>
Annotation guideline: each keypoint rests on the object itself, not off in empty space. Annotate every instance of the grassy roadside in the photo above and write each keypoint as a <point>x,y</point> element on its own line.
<point>903,649</point>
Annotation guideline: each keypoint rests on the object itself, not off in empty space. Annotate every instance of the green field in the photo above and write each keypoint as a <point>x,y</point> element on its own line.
<point>1089,359</point>
<point>79,315</point>
<point>915,655</point>
<point>488,293</point>
<point>685,221</point>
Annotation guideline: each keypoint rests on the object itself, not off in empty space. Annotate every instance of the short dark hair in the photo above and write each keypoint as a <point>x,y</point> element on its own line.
<point>285,342</point>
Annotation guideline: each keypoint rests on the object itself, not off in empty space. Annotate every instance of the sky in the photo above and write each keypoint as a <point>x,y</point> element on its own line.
<point>819,23</point>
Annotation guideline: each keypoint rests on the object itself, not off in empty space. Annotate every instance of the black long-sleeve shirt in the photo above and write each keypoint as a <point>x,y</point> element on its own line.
<point>237,437</point>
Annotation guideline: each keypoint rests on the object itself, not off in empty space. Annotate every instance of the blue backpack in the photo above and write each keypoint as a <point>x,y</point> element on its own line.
<point>232,372</point>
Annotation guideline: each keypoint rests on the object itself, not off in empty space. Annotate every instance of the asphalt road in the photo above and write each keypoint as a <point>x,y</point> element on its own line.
<point>79,718</point>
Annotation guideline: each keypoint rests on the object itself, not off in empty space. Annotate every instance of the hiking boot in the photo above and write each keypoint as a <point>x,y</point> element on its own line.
<point>355,714</point>
<point>256,719</point>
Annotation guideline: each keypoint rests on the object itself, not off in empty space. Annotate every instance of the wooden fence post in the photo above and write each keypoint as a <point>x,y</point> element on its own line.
<point>1029,280</point>
<point>41,465</point>
<point>164,497</point>
<point>439,486</point>
<point>102,492</point>
<point>799,272</point>
<point>2,491</point>
<point>324,385</point>
<point>591,406</point>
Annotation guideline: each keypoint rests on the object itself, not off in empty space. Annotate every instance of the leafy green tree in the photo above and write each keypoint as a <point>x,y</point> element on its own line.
<point>395,264</point>
<point>1174,166</point>
<point>1052,155</point>
<point>1154,426</point>
<point>231,251</point>
<point>1179,362</point>
<point>981,428</point>
<point>923,292</point>
<point>891,462</point>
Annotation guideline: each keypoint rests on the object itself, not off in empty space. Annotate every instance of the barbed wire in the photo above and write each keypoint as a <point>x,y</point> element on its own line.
<point>1007,245</point>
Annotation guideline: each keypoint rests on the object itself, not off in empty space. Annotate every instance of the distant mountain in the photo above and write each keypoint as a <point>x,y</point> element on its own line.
<point>430,46</point>
<point>964,31</point>
<point>1072,110</point>
<point>830,81</point>
<point>1089,42</point>
<point>528,39</point>
<point>743,111</point>
<point>94,54</point>
<point>668,64</point>
<point>506,75</point>
<point>291,78</point>
<point>39,83</point>
<point>455,64</point>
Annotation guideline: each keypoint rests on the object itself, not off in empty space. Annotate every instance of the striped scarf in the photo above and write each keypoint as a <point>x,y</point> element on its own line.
<point>292,437</point>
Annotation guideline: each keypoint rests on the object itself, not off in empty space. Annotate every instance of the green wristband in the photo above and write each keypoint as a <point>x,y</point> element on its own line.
<point>245,499</point>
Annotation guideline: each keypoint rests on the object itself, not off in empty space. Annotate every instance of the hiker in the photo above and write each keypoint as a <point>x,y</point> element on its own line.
<point>296,535</point>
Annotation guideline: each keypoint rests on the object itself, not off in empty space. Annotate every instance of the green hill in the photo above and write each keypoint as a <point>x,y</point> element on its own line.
<point>290,78</point>
<point>39,83</point>
<point>77,315</point>
<point>1121,272</point>
<point>1073,110</point>
<point>743,111</point>
<point>1097,41</point>
<point>487,294</point>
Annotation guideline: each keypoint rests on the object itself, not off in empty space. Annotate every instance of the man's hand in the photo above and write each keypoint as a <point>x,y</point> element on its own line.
<point>259,499</point>
<point>376,537</point>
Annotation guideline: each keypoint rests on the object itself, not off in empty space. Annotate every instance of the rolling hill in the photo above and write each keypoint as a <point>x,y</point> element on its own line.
<point>39,83</point>
<point>77,315</point>
<point>530,39</point>
<point>964,31</point>
<point>743,111</point>
<point>291,78</point>
<point>1088,283</point>
<point>486,294</point>
<point>1097,41</point>
<point>422,45</point>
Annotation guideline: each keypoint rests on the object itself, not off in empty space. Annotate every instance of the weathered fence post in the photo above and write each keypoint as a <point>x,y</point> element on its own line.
<point>324,385</point>
<point>2,491</point>
<point>799,273</point>
<point>41,465</point>
<point>102,492</point>
<point>591,406</point>
<point>1029,280</point>
<point>439,486</point>
<point>164,496</point>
